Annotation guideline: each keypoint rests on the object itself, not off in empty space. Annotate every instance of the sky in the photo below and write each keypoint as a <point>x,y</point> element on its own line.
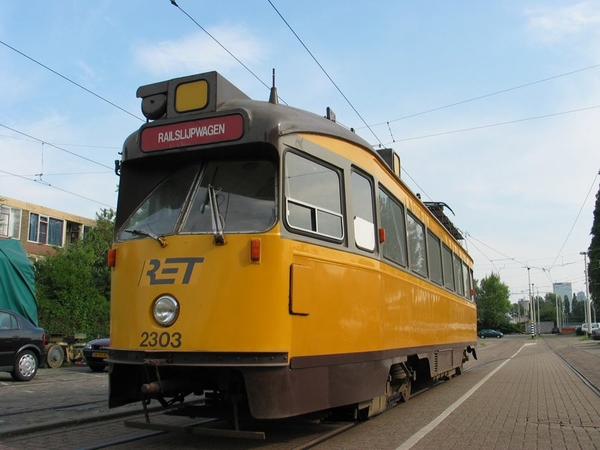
<point>493,107</point>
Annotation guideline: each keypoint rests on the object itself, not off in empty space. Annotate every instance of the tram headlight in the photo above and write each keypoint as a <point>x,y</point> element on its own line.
<point>165,310</point>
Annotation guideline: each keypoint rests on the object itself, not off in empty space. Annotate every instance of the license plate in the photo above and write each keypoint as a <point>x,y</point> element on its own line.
<point>100,355</point>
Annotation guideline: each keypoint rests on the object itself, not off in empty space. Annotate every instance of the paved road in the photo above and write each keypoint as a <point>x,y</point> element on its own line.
<point>520,394</point>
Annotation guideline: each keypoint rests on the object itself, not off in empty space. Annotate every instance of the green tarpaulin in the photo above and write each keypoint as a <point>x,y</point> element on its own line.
<point>17,280</point>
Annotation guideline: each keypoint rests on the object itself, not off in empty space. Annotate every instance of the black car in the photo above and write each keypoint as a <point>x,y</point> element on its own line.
<point>22,346</point>
<point>95,352</point>
<point>489,333</point>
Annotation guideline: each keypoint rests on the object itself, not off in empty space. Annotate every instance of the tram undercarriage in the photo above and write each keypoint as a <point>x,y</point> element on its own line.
<point>243,394</point>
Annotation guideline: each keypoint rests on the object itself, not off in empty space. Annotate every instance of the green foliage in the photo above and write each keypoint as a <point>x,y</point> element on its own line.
<point>578,312</point>
<point>73,286</point>
<point>493,304</point>
<point>594,256</point>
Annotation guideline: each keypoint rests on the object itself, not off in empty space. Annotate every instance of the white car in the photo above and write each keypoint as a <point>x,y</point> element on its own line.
<point>584,327</point>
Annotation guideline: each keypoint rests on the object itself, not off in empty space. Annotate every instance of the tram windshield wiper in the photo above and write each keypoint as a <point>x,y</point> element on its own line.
<point>216,218</point>
<point>137,232</point>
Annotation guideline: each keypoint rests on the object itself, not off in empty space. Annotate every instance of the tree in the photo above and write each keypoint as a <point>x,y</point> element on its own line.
<point>594,256</point>
<point>73,286</point>
<point>493,304</point>
<point>577,312</point>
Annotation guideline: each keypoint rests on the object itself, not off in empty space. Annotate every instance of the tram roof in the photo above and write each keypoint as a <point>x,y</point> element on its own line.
<point>211,95</point>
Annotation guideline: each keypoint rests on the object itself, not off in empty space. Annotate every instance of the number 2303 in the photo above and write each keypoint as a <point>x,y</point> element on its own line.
<point>164,339</point>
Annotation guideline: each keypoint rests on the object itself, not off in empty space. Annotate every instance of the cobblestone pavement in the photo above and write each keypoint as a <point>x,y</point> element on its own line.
<point>520,394</point>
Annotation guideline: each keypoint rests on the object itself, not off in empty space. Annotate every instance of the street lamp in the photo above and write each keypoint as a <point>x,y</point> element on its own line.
<point>588,310</point>
<point>531,307</point>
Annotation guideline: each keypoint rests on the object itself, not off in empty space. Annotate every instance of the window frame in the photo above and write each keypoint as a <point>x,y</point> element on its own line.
<point>363,175</point>
<point>423,253</point>
<point>448,251</point>
<point>431,246</point>
<point>315,208</point>
<point>400,233</point>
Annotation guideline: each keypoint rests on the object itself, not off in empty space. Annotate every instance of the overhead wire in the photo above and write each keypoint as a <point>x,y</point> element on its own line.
<point>174,3</point>
<point>57,188</point>
<point>70,81</point>
<point>54,146</point>
<point>324,71</point>
<point>502,91</point>
<point>496,124</point>
<point>576,218</point>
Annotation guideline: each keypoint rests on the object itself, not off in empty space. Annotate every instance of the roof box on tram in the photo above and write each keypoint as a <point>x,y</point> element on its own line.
<point>391,158</point>
<point>187,95</point>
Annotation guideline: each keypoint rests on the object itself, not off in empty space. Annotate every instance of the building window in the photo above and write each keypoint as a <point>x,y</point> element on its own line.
<point>313,197</point>
<point>364,220</point>
<point>45,230</point>
<point>55,232</point>
<point>10,222</point>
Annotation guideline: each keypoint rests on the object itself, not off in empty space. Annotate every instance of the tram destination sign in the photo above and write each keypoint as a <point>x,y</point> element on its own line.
<point>193,132</point>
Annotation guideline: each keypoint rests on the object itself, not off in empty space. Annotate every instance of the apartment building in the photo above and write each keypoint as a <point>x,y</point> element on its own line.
<point>38,228</point>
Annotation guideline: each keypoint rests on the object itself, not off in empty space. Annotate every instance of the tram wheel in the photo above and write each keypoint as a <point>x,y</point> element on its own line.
<point>405,390</point>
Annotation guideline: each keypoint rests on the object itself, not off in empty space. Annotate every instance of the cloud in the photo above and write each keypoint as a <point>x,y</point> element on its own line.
<point>566,22</point>
<point>198,52</point>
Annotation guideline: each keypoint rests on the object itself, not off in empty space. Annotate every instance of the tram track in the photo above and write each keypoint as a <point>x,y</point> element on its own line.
<point>580,371</point>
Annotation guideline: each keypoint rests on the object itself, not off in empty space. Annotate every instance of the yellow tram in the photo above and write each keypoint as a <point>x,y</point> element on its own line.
<point>271,259</point>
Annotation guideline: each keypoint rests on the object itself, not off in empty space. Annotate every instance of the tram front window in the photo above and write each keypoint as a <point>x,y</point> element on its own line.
<point>245,200</point>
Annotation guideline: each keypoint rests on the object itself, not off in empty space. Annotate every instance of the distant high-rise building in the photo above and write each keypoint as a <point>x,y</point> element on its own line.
<point>581,296</point>
<point>562,289</point>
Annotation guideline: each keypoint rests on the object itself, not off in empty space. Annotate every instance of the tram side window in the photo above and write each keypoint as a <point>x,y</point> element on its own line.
<point>471,293</point>
<point>416,245</point>
<point>467,281</point>
<point>458,275</point>
<point>362,205</point>
<point>447,265</point>
<point>392,221</point>
<point>313,197</point>
<point>434,252</point>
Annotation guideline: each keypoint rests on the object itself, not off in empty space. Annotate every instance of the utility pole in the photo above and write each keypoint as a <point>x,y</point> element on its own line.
<point>588,310</point>
<point>531,307</point>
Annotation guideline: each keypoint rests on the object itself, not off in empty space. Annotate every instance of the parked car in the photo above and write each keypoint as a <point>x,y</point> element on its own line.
<point>584,328</point>
<point>95,352</point>
<point>489,333</point>
<point>596,334</point>
<point>22,346</point>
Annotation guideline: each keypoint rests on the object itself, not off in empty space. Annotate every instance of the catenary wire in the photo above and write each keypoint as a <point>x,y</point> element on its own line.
<point>62,144</point>
<point>70,81</point>
<point>344,96</point>
<point>502,91</point>
<point>55,146</point>
<point>496,124</point>
<point>576,218</point>
<point>56,187</point>
<point>325,72</point>
<point>174,3</point>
